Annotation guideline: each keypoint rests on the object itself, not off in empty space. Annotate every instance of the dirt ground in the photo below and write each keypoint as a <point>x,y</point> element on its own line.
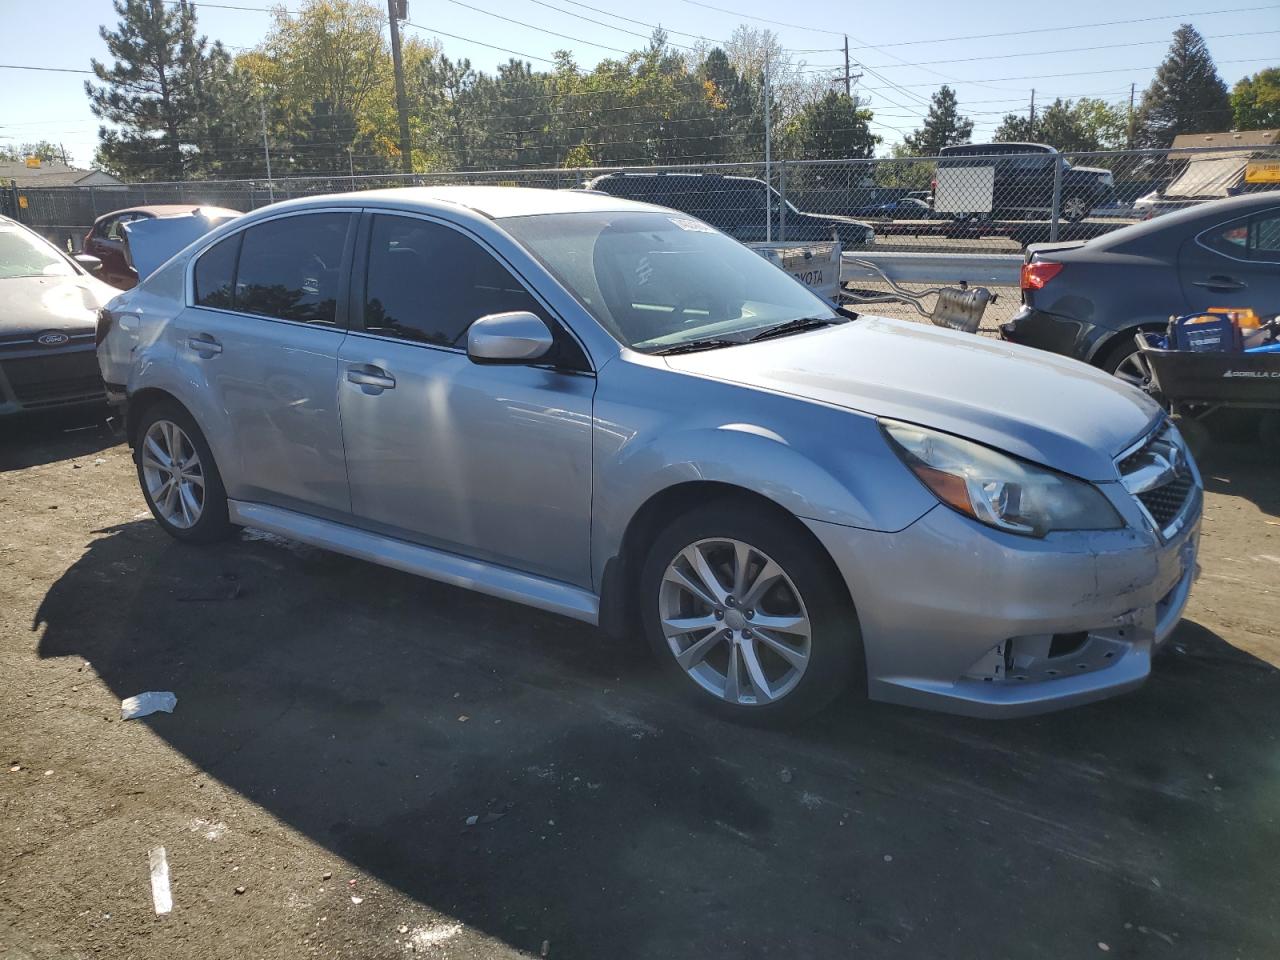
<point>338,723</point>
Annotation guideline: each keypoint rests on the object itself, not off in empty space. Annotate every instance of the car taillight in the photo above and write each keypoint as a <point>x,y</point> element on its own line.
<point>103,328</point>
<point>1039,272</point>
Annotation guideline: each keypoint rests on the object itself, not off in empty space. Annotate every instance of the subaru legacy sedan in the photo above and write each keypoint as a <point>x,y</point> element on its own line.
<point>614,412</point>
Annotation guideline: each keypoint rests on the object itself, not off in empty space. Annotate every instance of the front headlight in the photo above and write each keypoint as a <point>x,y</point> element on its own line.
<point>997,489</point>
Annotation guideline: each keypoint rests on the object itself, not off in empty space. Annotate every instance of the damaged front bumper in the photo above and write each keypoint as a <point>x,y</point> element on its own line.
<point>959,617</point>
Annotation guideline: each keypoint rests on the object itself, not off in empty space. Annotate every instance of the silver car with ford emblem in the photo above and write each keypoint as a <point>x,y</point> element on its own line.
<point>614,412</point>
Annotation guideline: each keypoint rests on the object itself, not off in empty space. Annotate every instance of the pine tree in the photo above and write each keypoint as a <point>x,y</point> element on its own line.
<point>154,92</point>
<point>831,128</point>
<point>943,127</point>
<point>1186,96</point>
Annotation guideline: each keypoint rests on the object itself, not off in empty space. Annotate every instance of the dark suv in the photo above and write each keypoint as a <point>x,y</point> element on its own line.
<point>1023,183</point>
<point>734,205</point>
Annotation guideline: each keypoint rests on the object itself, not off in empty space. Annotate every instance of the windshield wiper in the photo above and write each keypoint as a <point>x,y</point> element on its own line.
<point>794,326</point>
<point>693,346</point>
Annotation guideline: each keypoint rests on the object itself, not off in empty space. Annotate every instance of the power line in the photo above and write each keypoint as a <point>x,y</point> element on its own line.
<point>1074,26</point>
<point>479,43</point>
<point>776,23</point>
<point>1050,76</point>
<point>530,26</point>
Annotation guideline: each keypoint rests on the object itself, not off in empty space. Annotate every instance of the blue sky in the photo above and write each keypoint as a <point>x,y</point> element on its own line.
<point>1064,50</point>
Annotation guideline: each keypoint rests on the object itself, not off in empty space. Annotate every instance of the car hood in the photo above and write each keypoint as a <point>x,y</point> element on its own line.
<point>1035,405</point>
<point>1099,171</point>
<point>36,304</point>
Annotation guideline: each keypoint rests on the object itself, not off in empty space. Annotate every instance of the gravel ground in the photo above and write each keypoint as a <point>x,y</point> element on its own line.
<point>338,723</point>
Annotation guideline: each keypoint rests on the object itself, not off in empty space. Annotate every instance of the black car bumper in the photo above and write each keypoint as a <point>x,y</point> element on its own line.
<point>1052,332</point>
<point>49,379</point>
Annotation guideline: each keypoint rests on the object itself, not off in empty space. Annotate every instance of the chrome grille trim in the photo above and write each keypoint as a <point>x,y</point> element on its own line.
<point>1160,473</point>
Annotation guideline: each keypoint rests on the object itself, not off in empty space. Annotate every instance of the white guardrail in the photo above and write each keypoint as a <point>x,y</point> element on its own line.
<point>977,269</point>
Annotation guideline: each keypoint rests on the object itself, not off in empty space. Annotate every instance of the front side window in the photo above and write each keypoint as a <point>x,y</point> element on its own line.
<point>427,282</point>
<point>657,281</point>
<point>291,268</point>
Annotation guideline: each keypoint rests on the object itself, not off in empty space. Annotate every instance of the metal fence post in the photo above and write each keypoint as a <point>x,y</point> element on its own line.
<point>782,200</point>
<point>1058,164</point>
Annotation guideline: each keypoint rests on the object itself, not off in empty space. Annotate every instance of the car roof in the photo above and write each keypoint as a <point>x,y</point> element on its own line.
<point>673,175</point>
<point>494,203</point>
<point>1004,146</point>
<point>171,210</point>
<point>1196,217</point>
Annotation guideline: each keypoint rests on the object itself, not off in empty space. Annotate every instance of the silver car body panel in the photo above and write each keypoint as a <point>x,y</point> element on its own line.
<point>522,482</point>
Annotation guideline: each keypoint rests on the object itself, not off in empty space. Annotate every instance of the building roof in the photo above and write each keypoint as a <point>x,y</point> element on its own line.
<point>1248,139</point>
<point>52,173</point>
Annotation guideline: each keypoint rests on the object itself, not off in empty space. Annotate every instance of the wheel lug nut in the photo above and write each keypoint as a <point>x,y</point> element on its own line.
<point>719,614</point>
<point>749,614</point>
<point>729,601</point>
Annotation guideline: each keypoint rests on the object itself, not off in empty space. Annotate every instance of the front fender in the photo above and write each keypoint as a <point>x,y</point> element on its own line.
<point>814,461</point>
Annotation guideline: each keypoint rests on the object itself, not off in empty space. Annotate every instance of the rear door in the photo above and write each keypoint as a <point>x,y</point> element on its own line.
<point>262,339</point>
<point>1234,264</point>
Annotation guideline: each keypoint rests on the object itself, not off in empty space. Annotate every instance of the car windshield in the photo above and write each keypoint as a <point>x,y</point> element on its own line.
<point>657,281</point>
<point>22,255</point>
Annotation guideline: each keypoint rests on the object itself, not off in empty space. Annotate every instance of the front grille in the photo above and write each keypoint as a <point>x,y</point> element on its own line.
<point>57,378</point>
<point>1159,473</point>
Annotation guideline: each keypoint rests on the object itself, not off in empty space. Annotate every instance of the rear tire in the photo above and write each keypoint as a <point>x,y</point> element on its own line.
<point>1124,360</point>
<point>1075,209</point>
<point>771,635</point>
<point>179,478</point>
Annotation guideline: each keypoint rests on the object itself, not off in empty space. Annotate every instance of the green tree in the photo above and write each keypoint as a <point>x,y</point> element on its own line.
<point>1186,96</point>
<point>943,126</point>
<point>154,93</point>
<point>1255,101</point>
<point>831,128</point>
<point>47,151</point>
<point>1069,125</point>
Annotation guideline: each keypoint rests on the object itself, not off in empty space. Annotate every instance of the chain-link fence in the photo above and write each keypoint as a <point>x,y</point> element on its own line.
<point>991,198</point>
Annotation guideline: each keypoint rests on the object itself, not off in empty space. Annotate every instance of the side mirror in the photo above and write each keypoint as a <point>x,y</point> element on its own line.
<point>89,262</point>
<point>512,338</point>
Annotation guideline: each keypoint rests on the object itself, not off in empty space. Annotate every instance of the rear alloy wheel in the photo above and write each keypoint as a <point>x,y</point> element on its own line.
<point>745,608</point>
<point>1075,209</point>
<point>1128,363</point>
<point>179,478</point>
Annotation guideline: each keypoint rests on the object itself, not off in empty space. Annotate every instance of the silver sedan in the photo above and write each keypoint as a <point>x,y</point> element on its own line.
<point>612,411</point>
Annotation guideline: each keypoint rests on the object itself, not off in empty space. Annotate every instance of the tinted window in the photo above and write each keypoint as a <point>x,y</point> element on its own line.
<point>291,268</point>
<point>1256,238</point>
<point>429,283</point>
<point>215,271</point>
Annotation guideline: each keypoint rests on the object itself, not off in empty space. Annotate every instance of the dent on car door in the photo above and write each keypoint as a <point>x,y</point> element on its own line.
<point>261,339</point>
<point>1233,264</point>
<point>492,462</point>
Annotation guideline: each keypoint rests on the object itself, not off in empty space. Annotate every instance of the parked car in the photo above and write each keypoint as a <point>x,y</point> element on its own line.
<point>106,238</point>
<point>1087,299</point>
<point>734,205</point>
<point>615,412</point>
<point>902,208</point>
<point>1021,184</point>
<point>49,305</point>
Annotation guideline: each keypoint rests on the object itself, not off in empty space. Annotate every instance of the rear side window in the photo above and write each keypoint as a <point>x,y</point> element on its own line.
<point>1255,238</point>
<point>291,268</point>
<point>215,274</point>
<point>429,283</point>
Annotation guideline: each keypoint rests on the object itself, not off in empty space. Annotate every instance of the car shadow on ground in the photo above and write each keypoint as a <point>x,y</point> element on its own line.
<point>35,439</point>
<point>615,821</point>
<point>1248,470</point>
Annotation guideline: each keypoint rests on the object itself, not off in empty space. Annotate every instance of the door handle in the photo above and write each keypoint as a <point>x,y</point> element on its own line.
<point>204,344</point>
<point>1219,282</point>
<point>371,377</point>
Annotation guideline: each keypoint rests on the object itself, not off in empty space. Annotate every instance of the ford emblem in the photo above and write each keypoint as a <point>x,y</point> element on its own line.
<point>52,339</point>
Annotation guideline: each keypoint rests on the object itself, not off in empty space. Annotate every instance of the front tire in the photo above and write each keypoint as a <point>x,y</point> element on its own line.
<point>179,478</point>
<point>747,612</point>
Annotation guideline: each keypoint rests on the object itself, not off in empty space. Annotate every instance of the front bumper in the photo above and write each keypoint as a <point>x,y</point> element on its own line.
<point>36,379</point>
<point>956,616</point>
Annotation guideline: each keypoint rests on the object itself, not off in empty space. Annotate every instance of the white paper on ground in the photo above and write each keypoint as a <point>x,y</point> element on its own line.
<point>160,881</point>
<point>144,704</point>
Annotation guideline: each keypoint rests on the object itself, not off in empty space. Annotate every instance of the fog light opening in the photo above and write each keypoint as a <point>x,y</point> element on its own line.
<point>1065,644</point>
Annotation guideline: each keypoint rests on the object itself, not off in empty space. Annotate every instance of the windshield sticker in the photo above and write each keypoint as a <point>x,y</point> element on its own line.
<point>693,226</point>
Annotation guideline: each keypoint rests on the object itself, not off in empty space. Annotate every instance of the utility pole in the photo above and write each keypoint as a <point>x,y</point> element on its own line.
<point>1129,139</point>
<point>266,150</point>
<point>847,79</point>
<point>398,10</point>
<point>768,193</point>
<point>1031,125</point>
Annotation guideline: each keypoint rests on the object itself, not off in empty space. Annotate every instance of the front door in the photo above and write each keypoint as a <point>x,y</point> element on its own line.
<point>491,462</point>
<point>263,335</point>
<point>1234,264</point>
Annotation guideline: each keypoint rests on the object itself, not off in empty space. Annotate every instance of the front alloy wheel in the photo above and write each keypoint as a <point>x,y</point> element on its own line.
<point>173,474</point>
<point>734,621</point>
